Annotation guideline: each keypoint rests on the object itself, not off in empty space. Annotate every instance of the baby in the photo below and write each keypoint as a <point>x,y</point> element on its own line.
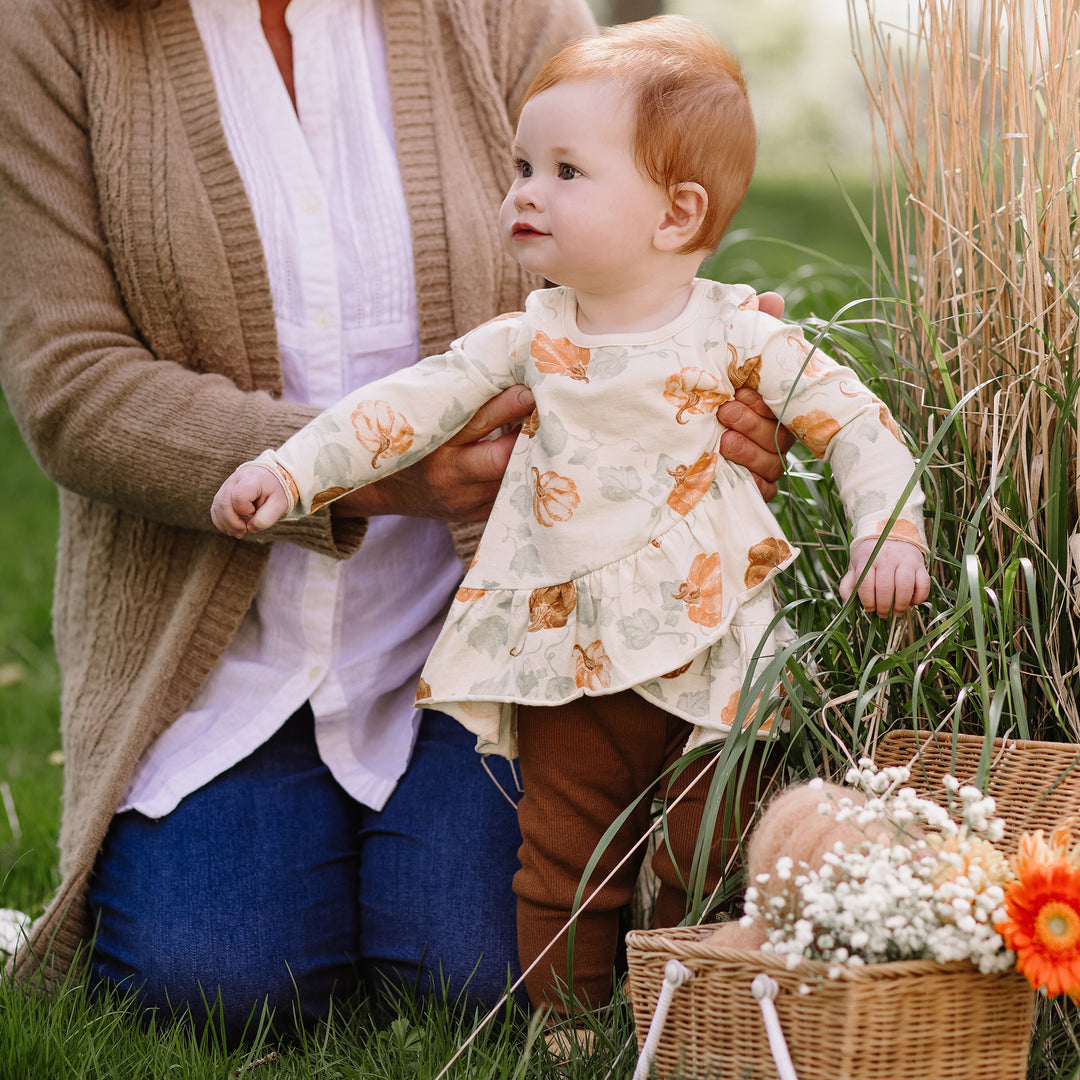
<point>623,588</point>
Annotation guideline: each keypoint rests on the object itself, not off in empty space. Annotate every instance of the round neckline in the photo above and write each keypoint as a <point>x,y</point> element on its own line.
<point>568,316</point>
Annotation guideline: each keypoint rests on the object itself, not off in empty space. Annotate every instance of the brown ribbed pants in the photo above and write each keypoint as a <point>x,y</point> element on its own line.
<point>581,765</point>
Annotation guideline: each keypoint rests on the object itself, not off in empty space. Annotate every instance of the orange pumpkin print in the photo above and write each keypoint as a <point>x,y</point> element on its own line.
<point>555,497</point>
<point>703,590</point>
<point>695,391</point>
<point>550,608</point>
<point>592,667</point>
<point>327,496</point>
<point>381,430</point>
<point>902,530</point>
<point>531,424</point>
<point>465,595</point>
<point>559,356</point>
<point>888,423</point>
<point>423,691</point>
<point>815,431</point>
<point>747,373</point>
<point>818,363</point>
<point>691,482</point>
<point>763,558</point>
<point>731,710</point>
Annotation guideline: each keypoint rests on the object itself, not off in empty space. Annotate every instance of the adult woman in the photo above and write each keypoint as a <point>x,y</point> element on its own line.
<point>187,242</point>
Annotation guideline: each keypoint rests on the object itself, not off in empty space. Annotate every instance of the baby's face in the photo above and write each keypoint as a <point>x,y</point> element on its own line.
<point>580,212</point>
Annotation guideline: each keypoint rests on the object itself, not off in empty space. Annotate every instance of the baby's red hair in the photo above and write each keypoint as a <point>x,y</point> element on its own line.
<point>693,119</point>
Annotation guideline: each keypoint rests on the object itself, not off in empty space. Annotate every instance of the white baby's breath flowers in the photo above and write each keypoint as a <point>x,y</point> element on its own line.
<point>921,886</point>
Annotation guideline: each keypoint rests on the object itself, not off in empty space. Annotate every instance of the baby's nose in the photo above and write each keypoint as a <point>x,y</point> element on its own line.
<point>525,193</point>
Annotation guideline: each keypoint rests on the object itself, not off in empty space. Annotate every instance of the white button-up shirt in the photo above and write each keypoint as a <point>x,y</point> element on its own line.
<point>323,180</point>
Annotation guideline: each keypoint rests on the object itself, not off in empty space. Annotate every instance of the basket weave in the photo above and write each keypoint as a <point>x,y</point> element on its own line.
<point>1035,785</point>
<point>913,1019</point>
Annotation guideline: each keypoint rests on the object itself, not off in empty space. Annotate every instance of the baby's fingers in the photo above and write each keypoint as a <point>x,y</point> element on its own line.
<point>271,507</point>
<point>910,581</point>
<point>903,588</point>
<point>230,510</point>
<point>893,588</point>
<point>250,500</point>
<point>847,584</point>
<point>876,593</point>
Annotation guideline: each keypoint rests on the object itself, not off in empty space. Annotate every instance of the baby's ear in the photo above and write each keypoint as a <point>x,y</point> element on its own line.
<point>683,219</point>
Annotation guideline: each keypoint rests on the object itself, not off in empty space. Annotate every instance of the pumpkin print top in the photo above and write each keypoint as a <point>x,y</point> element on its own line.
<point>623,551</point>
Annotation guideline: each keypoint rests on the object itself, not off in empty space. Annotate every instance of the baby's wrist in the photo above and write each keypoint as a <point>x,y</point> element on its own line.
<point>872,540</point>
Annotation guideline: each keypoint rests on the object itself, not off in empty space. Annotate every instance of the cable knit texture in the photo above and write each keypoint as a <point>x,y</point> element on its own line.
<point>137,344</point>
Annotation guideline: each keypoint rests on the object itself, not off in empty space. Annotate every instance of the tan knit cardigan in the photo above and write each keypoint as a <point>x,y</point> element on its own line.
<point>137,342</point>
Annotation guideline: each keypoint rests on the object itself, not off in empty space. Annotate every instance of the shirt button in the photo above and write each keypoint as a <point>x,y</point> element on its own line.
<point>315,672</point>
<point>324,320</point>
<point>311,207</point>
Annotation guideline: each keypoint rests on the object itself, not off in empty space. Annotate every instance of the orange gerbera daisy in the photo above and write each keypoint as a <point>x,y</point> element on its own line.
<point>1033,848</point>
<point>1043,905</point>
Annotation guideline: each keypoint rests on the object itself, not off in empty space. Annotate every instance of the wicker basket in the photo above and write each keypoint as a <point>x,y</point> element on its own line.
<point>916,1019</point>
<point>1035,785</point>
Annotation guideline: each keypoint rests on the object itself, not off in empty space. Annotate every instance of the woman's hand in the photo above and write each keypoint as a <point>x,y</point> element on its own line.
<point>456,482</point>
<point>754,438</point>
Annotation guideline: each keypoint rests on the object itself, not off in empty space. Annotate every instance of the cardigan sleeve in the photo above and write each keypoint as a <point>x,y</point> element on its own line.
<point>103,414</point>
<point>393,422</point>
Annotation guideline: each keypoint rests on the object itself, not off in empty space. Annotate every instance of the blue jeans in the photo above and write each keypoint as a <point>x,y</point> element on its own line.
<point>272,884</point>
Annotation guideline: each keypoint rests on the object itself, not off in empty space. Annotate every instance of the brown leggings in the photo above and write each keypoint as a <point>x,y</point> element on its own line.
<point>581,765</point>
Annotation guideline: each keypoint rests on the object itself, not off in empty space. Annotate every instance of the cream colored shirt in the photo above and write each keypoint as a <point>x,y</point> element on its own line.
<point>349,637</point>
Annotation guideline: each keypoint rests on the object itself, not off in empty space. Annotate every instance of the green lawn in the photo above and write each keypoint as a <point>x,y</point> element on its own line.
<point>29,681</point>
<point>801,239</point>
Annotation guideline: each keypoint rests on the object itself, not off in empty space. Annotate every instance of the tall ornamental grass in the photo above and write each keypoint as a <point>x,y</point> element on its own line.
<point>975,231</point>
<point>975,236</point>
<point>968,330</point>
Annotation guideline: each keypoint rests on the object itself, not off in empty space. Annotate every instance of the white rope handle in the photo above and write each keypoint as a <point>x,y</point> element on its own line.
<point>675,974</point>
<point>764,989</point>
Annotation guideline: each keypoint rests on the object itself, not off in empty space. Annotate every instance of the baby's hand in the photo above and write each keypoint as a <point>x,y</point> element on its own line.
<point>249,501</point>
<point>895,580</point>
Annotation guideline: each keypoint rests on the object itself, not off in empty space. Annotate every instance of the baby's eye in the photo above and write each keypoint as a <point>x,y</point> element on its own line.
<point>568,172</point>
<point>523,169</point>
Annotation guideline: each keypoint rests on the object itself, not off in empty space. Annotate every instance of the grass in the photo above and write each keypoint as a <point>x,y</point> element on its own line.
<point>29,681</point>
<point>801,240</point>
<point>385,1038</point>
